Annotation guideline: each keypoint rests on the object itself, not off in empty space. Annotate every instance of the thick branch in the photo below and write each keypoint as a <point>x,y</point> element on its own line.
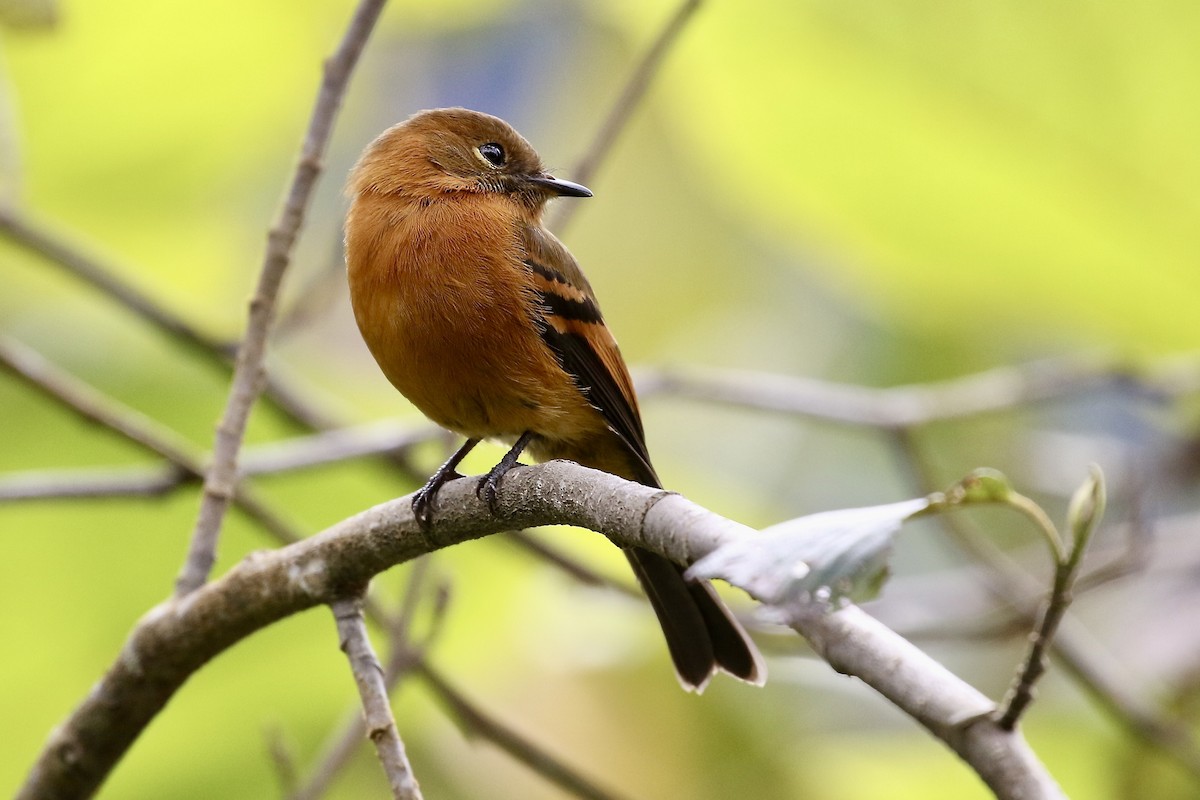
<point>182,634</point>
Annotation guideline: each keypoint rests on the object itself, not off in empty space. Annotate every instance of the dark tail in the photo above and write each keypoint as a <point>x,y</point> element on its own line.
<point>702,634</point>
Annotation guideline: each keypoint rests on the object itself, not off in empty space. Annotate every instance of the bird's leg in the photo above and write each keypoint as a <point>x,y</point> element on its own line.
<point>486,490</point>
<point>422,502</point>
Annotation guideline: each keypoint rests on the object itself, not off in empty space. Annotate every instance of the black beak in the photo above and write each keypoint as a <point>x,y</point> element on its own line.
<point>559,186</point>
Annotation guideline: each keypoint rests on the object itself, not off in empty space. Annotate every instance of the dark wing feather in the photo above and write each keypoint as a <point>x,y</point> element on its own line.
<point>700,631</point>
<point>574,329</point>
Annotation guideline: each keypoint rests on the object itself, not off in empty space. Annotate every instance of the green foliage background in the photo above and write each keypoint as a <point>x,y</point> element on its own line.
<point>869,192</point>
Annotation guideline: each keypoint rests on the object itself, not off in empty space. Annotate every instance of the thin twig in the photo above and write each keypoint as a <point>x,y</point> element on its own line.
<point>95,406</point>
<point>336,445</point>
<point>38,238</point>
<point>248,372</point>
<point>1071,647</point>
<point>91,484</point>
<point>527,541</point>
<point>915,405</point>
<point>474,721</point>
<point>275,458</point>
<point>1087,507</point>
<point>377,709</point>
<point>283,760</point>
<point>341,745</point>
<point>618,116</point>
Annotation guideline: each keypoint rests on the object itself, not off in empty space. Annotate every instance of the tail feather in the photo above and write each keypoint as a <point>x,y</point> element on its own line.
<point>702,635</point>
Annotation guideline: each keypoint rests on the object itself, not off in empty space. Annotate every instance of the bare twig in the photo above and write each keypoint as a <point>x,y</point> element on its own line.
<point>474,721</point>
<point>283,760</point>
<point>377,709</point>
<point>248,372</point>
<point>94,406</point>
<point>335,445</point>
<point>920,404</point>
<point>1071,647</point>
<point>106,482</point>
<point>37,238</point>
<point>174,640</point>
<point>529,542</point>
<point>91,404</point>
<point>619,115</point>
<point>341,745</point>
<point>299,453</point>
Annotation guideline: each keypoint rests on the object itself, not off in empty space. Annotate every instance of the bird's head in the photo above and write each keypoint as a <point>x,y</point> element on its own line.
<point>450,150</point>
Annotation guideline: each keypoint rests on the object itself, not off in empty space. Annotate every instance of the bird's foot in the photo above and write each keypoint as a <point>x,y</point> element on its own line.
<point>488,484</point>
<point>423,500</point>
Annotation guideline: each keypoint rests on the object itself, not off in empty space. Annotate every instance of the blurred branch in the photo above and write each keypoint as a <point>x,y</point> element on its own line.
<point>293,403</point>
<point>855,643</point>
<point>903,409</point>
<point>920,404</point>
<point>290,455</point>
<point>178,637</point>
<point>474,721</point>
<point>12,179</point>
<point>83,484</point>
<point>619,115</point>
<point>36,238</point>
<point>1072,647</point>
<point>316,295</point>
<point>336,445</point>
<point>94,406</point>
<point>529,542</point>
<point>283,760</point>
<point>52,246</point>
<point>249,371</point>
<point>377,709</point>
<point>1133,555</point>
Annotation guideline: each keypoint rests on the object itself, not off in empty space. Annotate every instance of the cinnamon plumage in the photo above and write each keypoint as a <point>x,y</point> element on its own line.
<point>484,321</point>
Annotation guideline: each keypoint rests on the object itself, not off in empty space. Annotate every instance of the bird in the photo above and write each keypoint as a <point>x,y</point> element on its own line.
<point>484,321</point>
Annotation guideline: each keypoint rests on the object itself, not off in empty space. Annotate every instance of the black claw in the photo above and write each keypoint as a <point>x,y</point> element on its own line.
<point>422,502</point>
<point>486,490</point>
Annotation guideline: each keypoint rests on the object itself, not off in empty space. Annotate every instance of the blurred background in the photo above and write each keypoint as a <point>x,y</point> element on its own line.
<point>869,193</point>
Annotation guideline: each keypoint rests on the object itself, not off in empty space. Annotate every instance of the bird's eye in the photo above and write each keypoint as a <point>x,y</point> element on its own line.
<point>492,153</point>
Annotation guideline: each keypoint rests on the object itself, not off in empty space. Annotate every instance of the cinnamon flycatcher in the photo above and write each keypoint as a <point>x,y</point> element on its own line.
<point>483,320</point>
